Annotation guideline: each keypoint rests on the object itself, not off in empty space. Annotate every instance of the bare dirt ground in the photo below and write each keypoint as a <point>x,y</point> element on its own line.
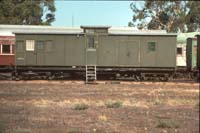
<point>74,107</point>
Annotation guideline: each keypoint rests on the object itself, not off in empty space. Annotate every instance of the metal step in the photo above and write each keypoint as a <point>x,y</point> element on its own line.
<point>92,75</point>
<point>90,72</point>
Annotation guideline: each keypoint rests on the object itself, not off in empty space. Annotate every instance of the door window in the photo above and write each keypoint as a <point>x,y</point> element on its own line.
<point>91,43</point>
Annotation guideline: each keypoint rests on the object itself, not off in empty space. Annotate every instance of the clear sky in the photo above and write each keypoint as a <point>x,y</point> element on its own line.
<point>76,13</point>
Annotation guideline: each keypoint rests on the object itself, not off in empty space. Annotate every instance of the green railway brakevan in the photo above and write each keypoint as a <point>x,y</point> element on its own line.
<point>96,46</point>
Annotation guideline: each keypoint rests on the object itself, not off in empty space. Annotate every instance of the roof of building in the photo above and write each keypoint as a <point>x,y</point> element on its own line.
<point>33,29</point>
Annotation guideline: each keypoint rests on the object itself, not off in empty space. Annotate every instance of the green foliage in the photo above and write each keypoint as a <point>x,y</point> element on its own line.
<point>114,104</point>
<point>193,16</point>
<point>173,16</point>
<point>81,106</point>
<point>27,12</point>
<point>168,123</point>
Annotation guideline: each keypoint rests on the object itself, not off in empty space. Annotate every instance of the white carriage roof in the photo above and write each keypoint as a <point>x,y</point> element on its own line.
<point>33,29</point>
<point>6,33</point>
<point>95,26</point>
<point>182,37</point>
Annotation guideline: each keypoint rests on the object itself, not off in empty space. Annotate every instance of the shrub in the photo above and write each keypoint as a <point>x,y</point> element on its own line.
<point>114,104</point>
<point>21,131</point>
<point>81,106</point>
<point>157,102</point>
<point>168,123</point>
<point>2,128</point>
<point>197,106</point>
<point>74,130</point>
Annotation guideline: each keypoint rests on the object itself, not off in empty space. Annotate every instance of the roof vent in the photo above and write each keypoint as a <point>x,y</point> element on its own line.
<point>95,29</point>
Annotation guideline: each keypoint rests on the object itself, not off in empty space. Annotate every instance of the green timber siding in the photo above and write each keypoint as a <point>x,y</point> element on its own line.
<point>67,50</point>
<point>134,51</point>
<point>111,50</point>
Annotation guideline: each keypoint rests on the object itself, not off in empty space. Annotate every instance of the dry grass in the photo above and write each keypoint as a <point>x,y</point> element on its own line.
<point>157,101</point>
<point>105,108</point>
<point>180,101</point>
<point>103,118</point>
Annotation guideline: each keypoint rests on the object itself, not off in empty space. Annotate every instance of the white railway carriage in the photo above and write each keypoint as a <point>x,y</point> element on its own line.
<point>181,47</point>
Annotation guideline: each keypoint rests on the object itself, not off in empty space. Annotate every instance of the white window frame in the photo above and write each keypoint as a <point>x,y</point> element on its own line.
<point>30,45</point>
<point>11,49</point>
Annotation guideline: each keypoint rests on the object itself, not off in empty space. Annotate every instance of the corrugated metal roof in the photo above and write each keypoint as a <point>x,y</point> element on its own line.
<point>40,29</point>
<point>32,29</point>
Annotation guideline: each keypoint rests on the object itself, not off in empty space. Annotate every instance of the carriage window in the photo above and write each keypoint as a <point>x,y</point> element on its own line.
<point>30,45</point>
<point>152,46</point>
<point>19,46</point>
<point>179,51</point>
<point>6,49</point>
<point>48,46</point>
<point>91,42</point>
<point>40,45</point>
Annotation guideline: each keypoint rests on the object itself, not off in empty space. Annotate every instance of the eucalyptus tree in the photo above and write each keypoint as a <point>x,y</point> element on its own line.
<point>27,12</point>
<point>172,16</point>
